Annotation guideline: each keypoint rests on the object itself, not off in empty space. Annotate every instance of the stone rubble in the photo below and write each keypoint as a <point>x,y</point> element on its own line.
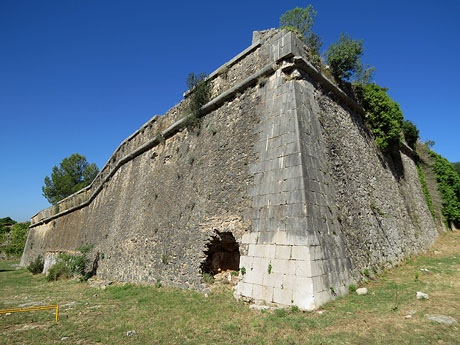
<point>422,295</point>
<point>361,291</point>
<point>444,319</point>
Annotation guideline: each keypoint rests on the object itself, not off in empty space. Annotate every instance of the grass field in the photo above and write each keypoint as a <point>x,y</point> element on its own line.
<point>171,316</point>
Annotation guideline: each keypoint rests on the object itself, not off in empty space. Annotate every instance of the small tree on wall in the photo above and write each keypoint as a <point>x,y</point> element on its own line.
<point>300,21</point>
<point>200,87</point>
<point>343,57</point>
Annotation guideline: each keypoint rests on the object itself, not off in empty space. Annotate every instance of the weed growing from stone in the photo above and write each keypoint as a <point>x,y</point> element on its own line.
<point>200,94</point>
<point>208,278</point>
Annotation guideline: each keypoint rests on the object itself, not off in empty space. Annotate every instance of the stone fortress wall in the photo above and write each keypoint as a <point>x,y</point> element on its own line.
<point>282,181</point>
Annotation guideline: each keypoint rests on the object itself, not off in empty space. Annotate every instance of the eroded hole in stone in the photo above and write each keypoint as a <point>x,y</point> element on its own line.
<point>222,254</point>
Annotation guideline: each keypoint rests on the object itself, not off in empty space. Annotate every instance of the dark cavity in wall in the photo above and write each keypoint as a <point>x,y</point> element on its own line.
<point>222,254</point>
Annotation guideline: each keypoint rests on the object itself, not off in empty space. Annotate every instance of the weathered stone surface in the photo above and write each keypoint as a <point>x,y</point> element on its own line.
<point>422,295</point>
<point>282,165</point>
<point>447,320</point>
<point>361,291</point>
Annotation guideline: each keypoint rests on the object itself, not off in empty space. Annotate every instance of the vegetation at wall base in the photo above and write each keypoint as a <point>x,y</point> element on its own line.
<point>13,236</point>
<point>68,265</point>
<point>73,174</point>
<point>36,266</point>
<point>449,186</point>
<point>165,315</point>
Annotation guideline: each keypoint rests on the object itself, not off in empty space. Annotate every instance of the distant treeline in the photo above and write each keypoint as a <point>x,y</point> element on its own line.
<point>13,237</point>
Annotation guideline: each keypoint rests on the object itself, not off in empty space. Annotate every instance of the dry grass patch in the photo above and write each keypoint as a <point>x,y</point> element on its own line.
<point>171,316</point>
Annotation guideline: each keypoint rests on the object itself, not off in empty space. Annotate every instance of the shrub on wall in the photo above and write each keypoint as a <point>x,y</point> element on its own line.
<point>429,202</point>
<point>384,115</point>
<point>449,187</point>
<point>300,21</point>
<point>200,89</point>
<point>410,132</point>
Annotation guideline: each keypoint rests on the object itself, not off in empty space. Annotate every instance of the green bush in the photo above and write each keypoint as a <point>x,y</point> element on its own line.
<point>449,186</point>
<point>384,115</point>
<point>7,221</point>
<point>429,202</point>
<point>343,57</point>
<point>36,266</point>
<point>200,89</point>
<point>59,270</point>
<point>18,239</point>
<point>410,132</point>
<point>208,278</point>
<point>457,167</point>
<point>300,21</point>
<point>68,265</point>
<point>5,227</point>
<point>85,249</point>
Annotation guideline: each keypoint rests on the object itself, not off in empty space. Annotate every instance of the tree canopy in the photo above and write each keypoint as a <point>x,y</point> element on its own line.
<point>73,174</point>
<point>300,21</point>
<point>384,115</point>
<point>449,186</point>
<point>457,167</point>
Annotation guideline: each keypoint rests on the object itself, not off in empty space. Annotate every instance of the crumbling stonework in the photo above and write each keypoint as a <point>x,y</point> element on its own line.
<point>282,175</point>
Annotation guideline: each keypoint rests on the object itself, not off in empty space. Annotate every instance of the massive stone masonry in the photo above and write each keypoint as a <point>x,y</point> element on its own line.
<point>282,180</point>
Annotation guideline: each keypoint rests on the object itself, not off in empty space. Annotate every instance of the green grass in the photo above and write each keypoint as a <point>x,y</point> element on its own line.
<point>171,316</point>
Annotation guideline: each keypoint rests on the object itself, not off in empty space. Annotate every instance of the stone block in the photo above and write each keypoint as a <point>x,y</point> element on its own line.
<point>303,268</point>
<point>260,250</point>
<point>260,264</point>
<point>251,249</point>
<point>280,237</point>
<point>323,297</point>
<point>283,266</point>
<point>318,267</point>
<point>301,253</point>
<point>295,210</point>
<point>282,296</point>
<point>296,224</point>
<point>317,253</point>
<point>244,289</point>
<point>253,276</point>
<point>283,252</point>
<point>304,299</point>
<point>264,293</point>
<point>273,279</point>
<point>294,282</point>
<point>298,238</point>
<point>319,283</point>
<point>246,262</point>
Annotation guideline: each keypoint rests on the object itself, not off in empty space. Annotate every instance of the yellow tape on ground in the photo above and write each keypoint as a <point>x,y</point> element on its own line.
<point>44,307</point>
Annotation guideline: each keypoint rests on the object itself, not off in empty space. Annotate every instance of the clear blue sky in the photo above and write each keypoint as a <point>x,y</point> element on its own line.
<point>81,76</point>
